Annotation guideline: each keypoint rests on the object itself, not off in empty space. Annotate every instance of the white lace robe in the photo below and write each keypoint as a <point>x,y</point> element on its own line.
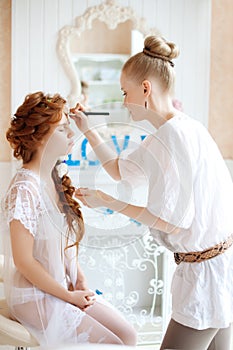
<point>49,319</point>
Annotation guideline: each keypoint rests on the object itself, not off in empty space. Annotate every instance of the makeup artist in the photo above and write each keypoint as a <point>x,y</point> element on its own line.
<point>190,198</point>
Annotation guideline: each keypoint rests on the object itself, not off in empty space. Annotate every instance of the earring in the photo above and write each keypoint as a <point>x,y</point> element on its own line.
<point>145,104</point>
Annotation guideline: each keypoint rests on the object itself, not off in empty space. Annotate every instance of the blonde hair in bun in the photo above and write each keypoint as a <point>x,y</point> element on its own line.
<point>156,60</point>
<point>159,46</point>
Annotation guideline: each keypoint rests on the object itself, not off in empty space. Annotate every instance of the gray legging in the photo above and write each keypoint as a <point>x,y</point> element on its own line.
<point>185,338</point>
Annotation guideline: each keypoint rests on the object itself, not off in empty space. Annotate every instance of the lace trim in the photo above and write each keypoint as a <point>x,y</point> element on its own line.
<point>72,317</point>
<point>23,201</point>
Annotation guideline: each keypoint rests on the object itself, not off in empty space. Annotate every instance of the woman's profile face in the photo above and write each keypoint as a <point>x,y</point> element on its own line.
<point>60,139</point>
<point>134,97</point>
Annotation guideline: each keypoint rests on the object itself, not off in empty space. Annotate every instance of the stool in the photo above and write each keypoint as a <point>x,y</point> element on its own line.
<point>12,332</point>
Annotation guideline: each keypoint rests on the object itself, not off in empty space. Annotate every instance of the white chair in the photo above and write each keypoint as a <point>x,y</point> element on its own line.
<point>12,332</point>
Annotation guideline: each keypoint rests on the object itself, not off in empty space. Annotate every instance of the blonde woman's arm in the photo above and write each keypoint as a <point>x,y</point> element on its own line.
<point>107,157</point>
<point>97,198</point>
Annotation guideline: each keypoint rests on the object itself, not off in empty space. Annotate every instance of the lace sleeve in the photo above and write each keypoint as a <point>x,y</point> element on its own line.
<point>22,203</point>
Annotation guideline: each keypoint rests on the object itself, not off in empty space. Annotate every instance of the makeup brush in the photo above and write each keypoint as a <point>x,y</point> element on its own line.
<point>90,113</point>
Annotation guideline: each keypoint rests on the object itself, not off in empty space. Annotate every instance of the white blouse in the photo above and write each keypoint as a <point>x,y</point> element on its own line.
<point>191,187</point>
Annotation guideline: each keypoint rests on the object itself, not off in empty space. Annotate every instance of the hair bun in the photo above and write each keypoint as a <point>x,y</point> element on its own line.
<point>157,45</point>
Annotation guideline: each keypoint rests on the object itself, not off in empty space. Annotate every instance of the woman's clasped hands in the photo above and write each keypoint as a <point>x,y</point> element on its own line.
<point>82,298</point>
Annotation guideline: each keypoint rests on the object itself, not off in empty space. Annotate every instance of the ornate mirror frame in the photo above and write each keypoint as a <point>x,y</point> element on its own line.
<point>108,12</point>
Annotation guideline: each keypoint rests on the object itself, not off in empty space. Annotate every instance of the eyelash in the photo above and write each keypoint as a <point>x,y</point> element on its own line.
<point>123,93</point>
<point>64,129</point>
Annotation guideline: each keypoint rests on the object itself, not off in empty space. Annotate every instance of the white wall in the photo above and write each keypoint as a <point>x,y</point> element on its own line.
<point>6,174</point>
<point>35,65</point>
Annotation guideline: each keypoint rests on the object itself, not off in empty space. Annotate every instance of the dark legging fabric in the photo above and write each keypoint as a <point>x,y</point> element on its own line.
<point>185,338</point>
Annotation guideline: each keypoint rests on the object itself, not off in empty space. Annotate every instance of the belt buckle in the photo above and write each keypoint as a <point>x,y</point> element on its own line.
<point>177,258</point>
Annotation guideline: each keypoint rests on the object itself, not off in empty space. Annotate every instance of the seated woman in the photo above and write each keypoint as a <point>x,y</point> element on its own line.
<point>45,288</point>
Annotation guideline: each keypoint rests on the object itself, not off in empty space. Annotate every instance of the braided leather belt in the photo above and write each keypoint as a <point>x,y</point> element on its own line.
<point>205,254</point>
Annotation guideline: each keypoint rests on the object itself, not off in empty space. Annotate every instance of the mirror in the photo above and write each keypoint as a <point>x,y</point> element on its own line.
<point>93,51</point>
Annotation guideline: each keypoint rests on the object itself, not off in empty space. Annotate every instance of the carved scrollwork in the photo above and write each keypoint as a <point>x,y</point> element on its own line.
<point>108,12</point>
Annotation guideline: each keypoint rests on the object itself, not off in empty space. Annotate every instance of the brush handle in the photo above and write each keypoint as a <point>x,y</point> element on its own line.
<point>90,113</point>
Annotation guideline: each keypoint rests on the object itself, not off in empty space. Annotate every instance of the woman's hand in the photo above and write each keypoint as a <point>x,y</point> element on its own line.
<point>80,118</point>
<point>93,198</point>
<point>82,298</point>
